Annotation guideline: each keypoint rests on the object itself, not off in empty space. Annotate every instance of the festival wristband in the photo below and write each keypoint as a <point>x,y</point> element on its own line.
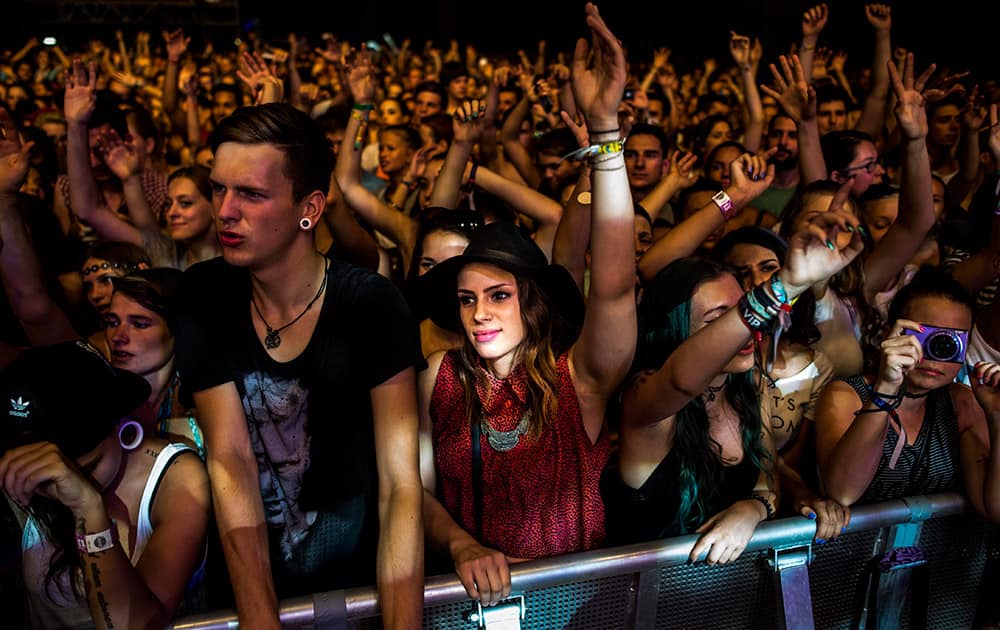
<point>100,541</point>
<point>725,203</point>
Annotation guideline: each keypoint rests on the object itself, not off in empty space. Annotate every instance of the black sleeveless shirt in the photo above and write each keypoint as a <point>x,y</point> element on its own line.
<point>931,464</point>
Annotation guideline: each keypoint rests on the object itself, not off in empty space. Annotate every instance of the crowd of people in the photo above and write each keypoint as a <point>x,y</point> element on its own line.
<point>291,318</point>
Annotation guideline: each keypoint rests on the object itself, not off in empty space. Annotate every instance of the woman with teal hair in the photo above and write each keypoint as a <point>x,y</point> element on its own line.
<point>695,456</point>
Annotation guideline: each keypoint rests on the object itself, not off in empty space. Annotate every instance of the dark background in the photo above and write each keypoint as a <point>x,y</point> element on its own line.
<point>960,32</point>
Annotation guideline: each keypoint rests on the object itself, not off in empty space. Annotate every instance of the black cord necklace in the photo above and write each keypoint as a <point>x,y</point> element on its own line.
<point>712,391</point>
<point>273,337</point>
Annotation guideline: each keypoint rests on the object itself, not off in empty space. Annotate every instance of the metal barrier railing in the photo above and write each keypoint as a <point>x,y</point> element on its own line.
<point>338,608</point>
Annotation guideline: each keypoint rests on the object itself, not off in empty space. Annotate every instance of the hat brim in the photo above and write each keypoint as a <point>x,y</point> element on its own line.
<point>438,291</point>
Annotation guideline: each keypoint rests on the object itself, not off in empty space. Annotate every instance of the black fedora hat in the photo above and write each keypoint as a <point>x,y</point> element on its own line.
<point>502,244</point>
<point>67,394</point>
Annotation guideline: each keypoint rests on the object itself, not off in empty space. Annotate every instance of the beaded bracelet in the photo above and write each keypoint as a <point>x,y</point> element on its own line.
<point>767,504</point>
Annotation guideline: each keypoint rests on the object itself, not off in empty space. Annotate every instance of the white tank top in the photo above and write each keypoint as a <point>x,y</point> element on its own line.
<point>56,605</point>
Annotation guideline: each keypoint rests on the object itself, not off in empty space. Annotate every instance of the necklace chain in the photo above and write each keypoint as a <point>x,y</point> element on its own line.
<point>273,337</point>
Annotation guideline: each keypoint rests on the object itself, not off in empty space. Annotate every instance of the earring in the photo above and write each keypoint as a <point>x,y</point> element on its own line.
<point>136,441</point>
<point>305,223</point>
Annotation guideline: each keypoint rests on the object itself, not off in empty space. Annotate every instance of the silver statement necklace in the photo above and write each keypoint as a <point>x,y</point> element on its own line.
<point>504,441</point>
<point>273,337</point>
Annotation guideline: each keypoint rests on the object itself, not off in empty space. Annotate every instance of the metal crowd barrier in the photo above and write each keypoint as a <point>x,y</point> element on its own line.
<point>782,580</point>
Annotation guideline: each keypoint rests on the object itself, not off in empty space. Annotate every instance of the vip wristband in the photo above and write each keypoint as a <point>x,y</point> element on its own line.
<point>101,541</point>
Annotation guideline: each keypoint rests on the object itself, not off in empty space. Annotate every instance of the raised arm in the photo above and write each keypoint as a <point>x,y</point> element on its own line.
<point>125,159</point>
<point>979,441</point>
<point>753,111</point>
<point>982,267</point>
<point>515,152</point>
<point>813,22</point>
<point>798,99</point>
<point>602,355</point>
<point>965,180</point>
<point>916,197</point>
<point>467,124</point>
<point>352,242</point>
<point>813,256</point>
<point>239,509</point>
<point>79,104</point>
<point>20,269</point>
<point>545,211</point>
<point>749,176</point>
<point>400,228</point>
<point>573,233</point>
<point>873,112</point>
<point>176,45</point>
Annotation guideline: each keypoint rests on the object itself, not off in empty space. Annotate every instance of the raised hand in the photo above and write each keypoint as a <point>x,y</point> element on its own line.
<point>418,162</point>
<point>80,96</point>
<point>361,76</point>
<point>579,129</point>
<point>974,112</point>
<point>469,121</point>
<point>838,61</point>
<point>750,176</point>
<point>598,86</point>
<point>814,20</point>
<point>994,142</point>
<point>260,78</point>
<point>13,155</point>
<point>176,44</point>
<point>815,252</point>
<point>661,57</point>
<point>911,115</point>
<point>739,49</point>
<point>122,157</point>
<point>681,170</point>
<point>879,16</point>
<point>127,79</point>
<point>793,92</point>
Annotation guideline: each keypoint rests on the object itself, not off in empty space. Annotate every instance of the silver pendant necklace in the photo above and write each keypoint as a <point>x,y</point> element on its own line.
<point>273,337</point>
<point>504,441</point>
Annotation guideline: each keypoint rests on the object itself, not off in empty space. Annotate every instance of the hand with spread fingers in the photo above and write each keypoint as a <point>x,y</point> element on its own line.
<point>14,161</point>
<point>911,114</point>
<point>80,97</point>
<point>795,95</point>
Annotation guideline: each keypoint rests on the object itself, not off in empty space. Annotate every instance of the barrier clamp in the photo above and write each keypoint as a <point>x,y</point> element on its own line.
<point>506,615</point>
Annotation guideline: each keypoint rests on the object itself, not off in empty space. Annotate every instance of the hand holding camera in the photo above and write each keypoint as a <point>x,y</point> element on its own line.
<point>901,351</point>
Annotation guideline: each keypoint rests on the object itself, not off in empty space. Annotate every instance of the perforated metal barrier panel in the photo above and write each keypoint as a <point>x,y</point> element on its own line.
<point>741,595</point>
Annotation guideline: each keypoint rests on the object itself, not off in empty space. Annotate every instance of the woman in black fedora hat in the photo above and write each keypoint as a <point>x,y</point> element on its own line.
<point>512,435</point>
<point>114,519</point>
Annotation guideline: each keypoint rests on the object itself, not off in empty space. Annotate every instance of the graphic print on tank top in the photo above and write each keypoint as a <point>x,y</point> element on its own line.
<point>277,411</point>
